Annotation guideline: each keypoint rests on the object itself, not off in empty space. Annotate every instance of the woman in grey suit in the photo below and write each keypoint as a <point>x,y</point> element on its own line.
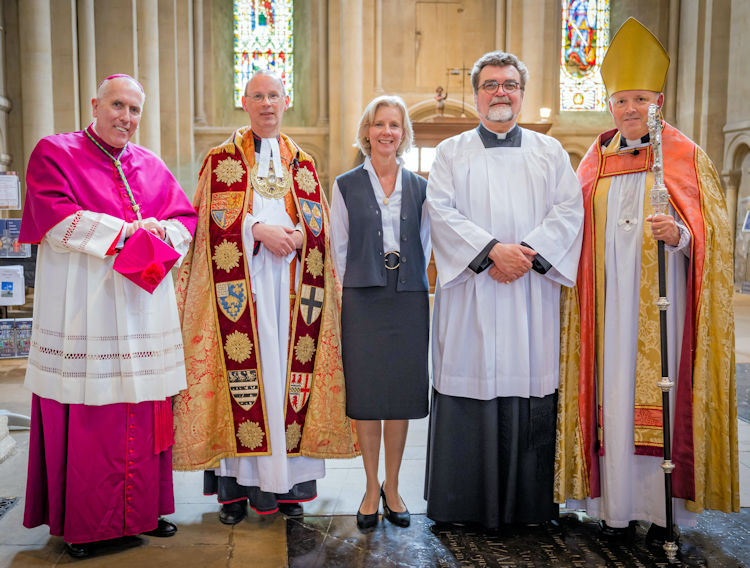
<point>381,244</point>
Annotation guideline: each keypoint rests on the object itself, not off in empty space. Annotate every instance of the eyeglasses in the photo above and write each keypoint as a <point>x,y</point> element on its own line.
<point>273,98</point>
<point>491,87</point>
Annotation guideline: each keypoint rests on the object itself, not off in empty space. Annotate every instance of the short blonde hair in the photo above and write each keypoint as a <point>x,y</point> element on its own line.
<point>363,143</point>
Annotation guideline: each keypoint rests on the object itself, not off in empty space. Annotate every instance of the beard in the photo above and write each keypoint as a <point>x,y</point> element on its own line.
<point>500,113</point>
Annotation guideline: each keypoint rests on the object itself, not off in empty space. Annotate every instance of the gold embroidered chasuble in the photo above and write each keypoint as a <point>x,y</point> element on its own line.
<point>705,420</point>
<point>222,412</point>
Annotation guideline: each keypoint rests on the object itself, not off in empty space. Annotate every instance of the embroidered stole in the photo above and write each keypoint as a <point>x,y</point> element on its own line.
<point>704,443</point>
<point>647,424</point>
<point>230,198</point>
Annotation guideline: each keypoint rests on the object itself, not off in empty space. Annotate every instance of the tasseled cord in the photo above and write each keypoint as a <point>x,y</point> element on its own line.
<point>163,432</point>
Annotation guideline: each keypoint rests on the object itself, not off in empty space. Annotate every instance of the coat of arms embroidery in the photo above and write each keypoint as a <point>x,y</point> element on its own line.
<point>226,206</point>
<point>313,215</point>
<point>232,297</point>
<point>299,390</point>
<point>244,388</point>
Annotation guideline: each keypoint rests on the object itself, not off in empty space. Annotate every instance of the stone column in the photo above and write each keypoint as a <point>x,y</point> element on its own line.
<point>350,85</point>
<point>378,47</point>
<point>689,64</point>
<point>35,29</point>
<point>323,63</point>
<point>200,104</point>
<point>500,24</point>
<point>147,25</point>
<point>532,54</point>
<point>673,45</point>
<point>185,96</point>
<point>4,102</point>
<point>730,182</point>
<point>87,80</point>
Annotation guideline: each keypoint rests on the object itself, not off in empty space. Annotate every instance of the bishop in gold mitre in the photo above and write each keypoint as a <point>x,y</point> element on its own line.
<point>610,439</point>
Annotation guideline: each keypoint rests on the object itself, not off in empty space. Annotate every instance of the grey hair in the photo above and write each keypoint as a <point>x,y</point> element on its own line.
<point>498,59</point>
<point>363,143</point>
<point>267,73</point>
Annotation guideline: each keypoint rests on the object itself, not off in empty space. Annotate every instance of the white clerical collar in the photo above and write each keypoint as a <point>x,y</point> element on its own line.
<point>269,151</point>
<point>491,139</point>
<point>642,141</point>
<point>500,135</point>
<point>503,135</point>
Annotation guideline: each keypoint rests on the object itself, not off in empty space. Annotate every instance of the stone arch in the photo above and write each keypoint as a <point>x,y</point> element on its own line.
<point>575,150</point>
<point>574,147</point>
<point>425,111</point>
<point>737,179</point>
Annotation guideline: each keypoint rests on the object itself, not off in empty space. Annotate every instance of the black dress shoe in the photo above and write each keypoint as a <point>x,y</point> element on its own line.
<point>233,513</point>
<point>398,518</point>
<point>291,509</point>
<point>617,533</point>
<point>657,535</point>
<point>366,521</point>
<point>164,529</point>
<point>78,550</point>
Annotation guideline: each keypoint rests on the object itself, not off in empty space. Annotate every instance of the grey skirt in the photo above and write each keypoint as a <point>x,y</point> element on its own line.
<point>384,336</point>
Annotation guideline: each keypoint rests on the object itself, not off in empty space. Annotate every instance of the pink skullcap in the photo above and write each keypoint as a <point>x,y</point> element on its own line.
<point>117,75</point>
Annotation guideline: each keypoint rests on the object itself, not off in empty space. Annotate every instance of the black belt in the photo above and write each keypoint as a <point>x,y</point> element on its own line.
<point>392,260</point>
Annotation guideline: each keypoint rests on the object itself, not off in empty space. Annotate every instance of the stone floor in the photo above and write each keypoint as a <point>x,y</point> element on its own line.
<point>327,536</point>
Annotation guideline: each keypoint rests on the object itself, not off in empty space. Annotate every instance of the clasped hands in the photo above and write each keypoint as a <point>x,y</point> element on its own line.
<point>664,228</point>
<point>510,262</point>
<point>152,225</point>
<point>278,239</point>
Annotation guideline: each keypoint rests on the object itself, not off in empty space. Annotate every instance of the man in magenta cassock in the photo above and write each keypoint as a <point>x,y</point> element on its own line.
<point>106,354</point>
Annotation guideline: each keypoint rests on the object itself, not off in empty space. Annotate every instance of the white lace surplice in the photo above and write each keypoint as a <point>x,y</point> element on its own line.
<point>98,338</point>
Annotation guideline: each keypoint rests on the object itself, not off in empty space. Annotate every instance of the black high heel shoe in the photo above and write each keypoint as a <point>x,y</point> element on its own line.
<point>398,518</point>
<point>366,521</point>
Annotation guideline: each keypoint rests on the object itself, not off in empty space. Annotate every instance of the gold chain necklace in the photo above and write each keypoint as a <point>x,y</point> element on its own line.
<point>272,186</point>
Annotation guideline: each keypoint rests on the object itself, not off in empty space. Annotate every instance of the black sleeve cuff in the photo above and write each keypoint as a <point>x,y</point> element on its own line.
<point>482,261</point>
<point>539,263</point>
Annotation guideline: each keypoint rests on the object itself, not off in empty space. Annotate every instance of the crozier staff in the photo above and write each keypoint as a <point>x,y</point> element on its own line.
<point>611,445</point>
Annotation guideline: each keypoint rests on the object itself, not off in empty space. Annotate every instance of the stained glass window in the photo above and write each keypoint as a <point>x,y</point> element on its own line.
<point>263,39</point>
<point>585,38</point>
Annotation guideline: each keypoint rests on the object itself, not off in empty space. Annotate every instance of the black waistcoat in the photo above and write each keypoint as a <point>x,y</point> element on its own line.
<point>365,265</point>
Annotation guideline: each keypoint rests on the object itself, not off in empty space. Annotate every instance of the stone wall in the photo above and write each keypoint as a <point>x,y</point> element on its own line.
<point>347,52</point>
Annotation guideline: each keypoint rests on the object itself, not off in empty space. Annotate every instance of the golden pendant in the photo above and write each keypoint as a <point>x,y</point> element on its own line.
<point>272,187</point>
